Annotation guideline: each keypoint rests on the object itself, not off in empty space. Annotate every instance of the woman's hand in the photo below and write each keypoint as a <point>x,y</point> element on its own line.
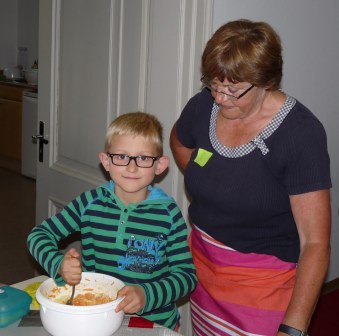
<point>70,268</point>
<point>134,299</point>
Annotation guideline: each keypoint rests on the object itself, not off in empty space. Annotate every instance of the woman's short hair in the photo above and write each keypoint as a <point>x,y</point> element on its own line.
<point>137,124</point>
<point>244,51</point>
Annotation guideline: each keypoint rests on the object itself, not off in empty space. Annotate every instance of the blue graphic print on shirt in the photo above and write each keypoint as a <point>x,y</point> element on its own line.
<point>142,254</point>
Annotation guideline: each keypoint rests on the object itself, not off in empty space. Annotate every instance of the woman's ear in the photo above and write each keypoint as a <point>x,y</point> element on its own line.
<point>162,165</point>
<point>104,159</point>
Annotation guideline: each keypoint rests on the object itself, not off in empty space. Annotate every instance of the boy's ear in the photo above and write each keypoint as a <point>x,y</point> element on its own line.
<point>104,159</point>
<point>162,165</point>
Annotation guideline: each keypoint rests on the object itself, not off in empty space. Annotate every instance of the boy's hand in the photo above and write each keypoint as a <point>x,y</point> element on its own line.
<point>134,299</point>
<point>70,268</point>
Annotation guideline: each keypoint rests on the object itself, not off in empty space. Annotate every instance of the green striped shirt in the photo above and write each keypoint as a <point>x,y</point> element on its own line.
<point>141,244</point>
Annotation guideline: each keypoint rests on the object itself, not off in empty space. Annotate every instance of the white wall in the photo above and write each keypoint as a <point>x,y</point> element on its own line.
<point>309,33</point>
<point>18,28</point>
<point>28,28</point>
<point>8,33</point>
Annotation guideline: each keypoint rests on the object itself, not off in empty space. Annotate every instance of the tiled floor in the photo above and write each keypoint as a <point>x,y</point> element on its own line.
<point>17,205</point>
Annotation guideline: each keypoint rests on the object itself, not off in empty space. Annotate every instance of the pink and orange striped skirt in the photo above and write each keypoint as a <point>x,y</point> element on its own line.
<point>238,293</point>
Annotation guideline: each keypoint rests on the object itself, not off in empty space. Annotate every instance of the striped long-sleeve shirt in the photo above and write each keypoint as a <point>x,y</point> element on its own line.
<point>141,244</point>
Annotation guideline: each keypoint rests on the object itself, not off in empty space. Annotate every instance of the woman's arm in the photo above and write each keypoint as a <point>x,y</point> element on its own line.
<point>181,153</point>
<point>312,214</point>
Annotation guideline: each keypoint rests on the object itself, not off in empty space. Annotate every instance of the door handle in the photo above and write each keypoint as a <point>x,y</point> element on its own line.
<point>41,139</point>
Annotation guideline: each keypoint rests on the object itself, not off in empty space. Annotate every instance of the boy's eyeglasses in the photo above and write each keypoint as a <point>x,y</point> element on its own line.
<point>213,87</point>
<point>142,161</point>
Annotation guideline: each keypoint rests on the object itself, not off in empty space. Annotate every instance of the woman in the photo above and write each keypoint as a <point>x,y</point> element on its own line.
<point>257,170</point>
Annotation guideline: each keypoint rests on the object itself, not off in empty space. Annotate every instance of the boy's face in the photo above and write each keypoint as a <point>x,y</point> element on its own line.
<point>131,181</point>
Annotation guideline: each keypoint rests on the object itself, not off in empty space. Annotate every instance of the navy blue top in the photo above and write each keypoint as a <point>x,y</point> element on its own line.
<point>240,196</point>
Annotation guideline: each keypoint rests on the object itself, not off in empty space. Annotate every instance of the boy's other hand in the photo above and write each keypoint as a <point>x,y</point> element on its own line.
<point>70,268</point>
<point>134,299</point>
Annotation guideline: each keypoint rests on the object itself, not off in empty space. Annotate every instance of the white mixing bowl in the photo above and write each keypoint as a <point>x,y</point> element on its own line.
<point>60,319</point>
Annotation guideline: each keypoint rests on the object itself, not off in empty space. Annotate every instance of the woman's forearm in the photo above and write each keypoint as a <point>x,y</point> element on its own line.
<point>311,272</point>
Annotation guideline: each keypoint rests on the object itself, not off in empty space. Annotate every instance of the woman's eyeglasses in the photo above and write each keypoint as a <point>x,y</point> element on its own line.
<point>213,87</point>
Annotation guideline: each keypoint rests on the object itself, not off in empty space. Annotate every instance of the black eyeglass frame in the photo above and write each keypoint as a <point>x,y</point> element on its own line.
<point>130,157</point>
<point>224,93</point>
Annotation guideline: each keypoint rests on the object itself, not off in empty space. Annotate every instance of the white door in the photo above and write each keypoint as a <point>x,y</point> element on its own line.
<point>99,59</point>
<point>75,105</point>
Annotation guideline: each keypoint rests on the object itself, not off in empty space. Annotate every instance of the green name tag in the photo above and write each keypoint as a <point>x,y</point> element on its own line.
<point>202,157</point>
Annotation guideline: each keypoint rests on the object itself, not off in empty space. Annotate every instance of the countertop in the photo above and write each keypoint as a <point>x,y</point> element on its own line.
<point>126,328</point>
<point>20,84</point>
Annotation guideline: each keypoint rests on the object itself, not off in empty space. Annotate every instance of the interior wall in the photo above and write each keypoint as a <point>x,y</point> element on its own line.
<point>308,29</point>
<point>8,33</point>
<point>28,27</point>
<point>18,28</point>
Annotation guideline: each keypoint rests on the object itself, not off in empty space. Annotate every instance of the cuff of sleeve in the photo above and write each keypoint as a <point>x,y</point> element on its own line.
<point>55,272</point>
<point>147,297</point>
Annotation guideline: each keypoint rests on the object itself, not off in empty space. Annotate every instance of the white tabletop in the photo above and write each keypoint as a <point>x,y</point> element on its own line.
<point>16,330</point>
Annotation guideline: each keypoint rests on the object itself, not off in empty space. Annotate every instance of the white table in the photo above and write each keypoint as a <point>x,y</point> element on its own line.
<point>16,330</point>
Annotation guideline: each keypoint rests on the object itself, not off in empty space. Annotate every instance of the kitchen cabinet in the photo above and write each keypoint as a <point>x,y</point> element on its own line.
<point>10,123</point>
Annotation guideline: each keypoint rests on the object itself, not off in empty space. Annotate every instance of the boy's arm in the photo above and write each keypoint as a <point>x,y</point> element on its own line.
<point>44,238</point>
<point>181,279</point>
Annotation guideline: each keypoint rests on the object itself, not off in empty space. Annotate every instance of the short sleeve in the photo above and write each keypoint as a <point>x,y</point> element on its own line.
<point>194,118</point>
<point>309,165</point>
<point>299,155</point>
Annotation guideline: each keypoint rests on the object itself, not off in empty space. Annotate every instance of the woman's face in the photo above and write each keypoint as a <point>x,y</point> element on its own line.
<point>236,101</point>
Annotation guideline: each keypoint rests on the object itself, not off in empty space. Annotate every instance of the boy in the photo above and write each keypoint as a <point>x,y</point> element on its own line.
<point>129,229</point>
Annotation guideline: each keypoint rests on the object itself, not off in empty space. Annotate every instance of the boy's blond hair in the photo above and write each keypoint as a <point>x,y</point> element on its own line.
<point>137,124</point>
